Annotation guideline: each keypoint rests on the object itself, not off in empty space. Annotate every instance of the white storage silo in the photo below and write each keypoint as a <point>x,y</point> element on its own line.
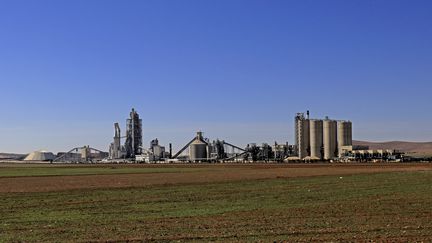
<point>344,133</point>
<point>330,139</point>
<point>316,139</point>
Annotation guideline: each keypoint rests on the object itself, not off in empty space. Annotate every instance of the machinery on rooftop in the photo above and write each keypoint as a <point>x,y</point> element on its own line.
<point>84,154</point>
<point>201,149</point>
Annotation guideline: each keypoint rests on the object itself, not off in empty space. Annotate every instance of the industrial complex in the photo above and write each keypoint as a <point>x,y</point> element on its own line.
<point>315,140</point>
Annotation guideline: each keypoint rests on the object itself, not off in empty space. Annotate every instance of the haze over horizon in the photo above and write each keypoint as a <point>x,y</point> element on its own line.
<point>237,70</point>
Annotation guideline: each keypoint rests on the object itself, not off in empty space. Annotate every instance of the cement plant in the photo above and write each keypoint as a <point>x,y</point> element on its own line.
<point>316,140</point>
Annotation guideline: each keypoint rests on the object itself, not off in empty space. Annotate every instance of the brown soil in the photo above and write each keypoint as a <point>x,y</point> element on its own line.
<point>204,174</point>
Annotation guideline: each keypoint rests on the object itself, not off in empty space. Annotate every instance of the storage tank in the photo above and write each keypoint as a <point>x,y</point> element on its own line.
<point>329,139</point>
<point>302,136</point>
<point>198,148</point>
<point>344,134</point>
<point>316,138</point>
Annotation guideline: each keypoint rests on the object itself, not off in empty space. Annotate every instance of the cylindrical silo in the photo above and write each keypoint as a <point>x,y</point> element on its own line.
<point>316,138</point>
<point>198,149</point>
<point>302,137</point>
<point>329,139</point>
<point>344,133</point>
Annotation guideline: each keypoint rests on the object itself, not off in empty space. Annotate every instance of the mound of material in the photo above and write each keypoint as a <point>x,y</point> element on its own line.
<point>416,148</point>
<point>40,156</point>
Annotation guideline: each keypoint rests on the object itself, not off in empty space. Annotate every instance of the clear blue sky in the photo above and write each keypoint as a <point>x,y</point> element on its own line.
<point>238,70</point>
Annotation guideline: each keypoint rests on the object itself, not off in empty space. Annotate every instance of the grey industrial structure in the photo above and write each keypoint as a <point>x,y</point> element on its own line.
<point>133,143</point>
<point>201,149</point>
<point>82,154</point>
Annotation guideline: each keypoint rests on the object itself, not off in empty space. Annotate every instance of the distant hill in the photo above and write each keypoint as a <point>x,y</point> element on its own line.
<point>411,148</point>
<point>4,156</point>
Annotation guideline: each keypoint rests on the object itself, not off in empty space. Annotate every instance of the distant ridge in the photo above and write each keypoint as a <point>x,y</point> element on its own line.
<point>4,156</point>
<point>412,148</point>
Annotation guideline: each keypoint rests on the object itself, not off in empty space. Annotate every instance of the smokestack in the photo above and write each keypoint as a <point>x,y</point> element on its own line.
<point>170,151</point>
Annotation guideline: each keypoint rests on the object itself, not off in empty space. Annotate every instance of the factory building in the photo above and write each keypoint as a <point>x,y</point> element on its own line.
<point>157,150</point>
<point>155,154</point>
<point>281,151</point>
<point>369,155</point>
<point>317,139</point>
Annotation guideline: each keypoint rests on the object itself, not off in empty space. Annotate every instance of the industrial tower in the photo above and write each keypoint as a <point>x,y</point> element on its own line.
<point>134,141</point>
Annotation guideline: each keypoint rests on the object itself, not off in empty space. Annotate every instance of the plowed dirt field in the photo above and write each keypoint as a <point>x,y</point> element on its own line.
<point>66,177</point>
<point>202,203</point>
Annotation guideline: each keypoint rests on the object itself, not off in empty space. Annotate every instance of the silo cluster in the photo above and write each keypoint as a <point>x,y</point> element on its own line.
<point>318,139</point>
